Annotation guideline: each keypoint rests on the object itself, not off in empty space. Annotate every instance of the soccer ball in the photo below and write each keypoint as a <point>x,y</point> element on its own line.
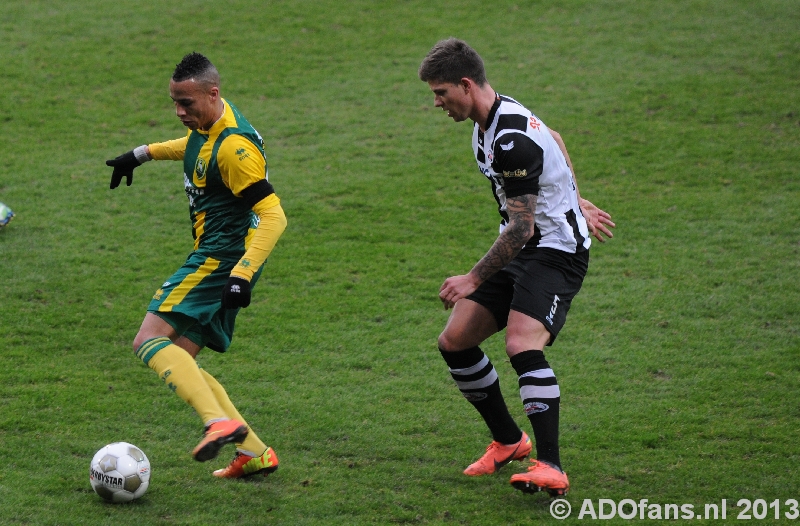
<point>6,215</point>
<point>120,472</point>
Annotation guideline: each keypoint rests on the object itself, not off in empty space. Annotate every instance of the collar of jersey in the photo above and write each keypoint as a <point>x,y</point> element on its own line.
<point>493,111</point>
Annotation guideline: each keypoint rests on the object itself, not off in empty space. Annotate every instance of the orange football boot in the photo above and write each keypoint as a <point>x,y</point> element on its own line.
<point>247,466</point>
<point>541,476</point>
<point>498,455</point>
<point>217,435</point>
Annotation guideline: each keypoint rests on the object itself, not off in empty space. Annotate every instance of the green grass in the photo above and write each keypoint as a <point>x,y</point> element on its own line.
<point>679,362</point>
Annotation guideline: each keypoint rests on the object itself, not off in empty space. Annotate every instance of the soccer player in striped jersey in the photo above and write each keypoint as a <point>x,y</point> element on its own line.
<point>236,221</point>
<point>526,281</point>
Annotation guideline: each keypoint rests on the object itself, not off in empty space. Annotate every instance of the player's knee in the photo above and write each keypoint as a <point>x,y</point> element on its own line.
<point>516,343</point>
<point>140,339</point>
<point>515,346</point>
<point>447,342</point>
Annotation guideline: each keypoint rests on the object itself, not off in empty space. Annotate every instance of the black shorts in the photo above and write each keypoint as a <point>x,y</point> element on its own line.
<point>539,282</point>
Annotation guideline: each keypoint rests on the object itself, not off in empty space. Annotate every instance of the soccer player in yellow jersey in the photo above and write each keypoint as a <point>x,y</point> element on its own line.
<point>236,222</point>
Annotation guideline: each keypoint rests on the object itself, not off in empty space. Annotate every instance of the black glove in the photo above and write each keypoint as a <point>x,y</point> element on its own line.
<point>236,293</point>
<point>123,167</point>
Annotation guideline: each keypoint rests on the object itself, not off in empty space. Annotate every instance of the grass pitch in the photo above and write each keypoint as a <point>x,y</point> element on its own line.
<point>678,364</point>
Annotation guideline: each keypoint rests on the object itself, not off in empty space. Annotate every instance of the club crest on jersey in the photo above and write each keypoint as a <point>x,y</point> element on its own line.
<point>200,168</point>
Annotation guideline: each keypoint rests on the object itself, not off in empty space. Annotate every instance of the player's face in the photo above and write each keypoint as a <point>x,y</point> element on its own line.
<point>452,98</point>
<point>196,105</point>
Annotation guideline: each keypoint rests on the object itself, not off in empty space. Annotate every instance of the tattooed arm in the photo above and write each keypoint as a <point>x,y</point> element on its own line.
<point>519,230</point>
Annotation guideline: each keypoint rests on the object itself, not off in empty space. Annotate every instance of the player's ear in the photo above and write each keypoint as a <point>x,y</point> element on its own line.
<point>466,84</point>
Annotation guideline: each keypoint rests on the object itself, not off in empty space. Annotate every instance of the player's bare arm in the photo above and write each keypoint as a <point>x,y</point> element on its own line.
<point>597,220</point>
<point>519,230</point>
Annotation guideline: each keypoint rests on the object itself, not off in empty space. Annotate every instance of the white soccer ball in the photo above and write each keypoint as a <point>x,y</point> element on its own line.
<point>120,472</point>
<point>6,215</point>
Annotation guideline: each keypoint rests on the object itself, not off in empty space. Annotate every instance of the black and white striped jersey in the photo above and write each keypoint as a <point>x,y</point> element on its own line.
<point>519,156</point>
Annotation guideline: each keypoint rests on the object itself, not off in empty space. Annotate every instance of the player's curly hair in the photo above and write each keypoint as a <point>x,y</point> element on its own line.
<point>451,60</point>
<point>197,67</point>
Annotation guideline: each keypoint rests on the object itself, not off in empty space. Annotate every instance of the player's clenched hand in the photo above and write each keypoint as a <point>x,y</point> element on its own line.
<point>236,293</point>
<point>597,220</point>
<point>123,167</point>
<point>457,287</point>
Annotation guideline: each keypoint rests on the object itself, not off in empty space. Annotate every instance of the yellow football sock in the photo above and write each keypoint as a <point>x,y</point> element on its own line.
<point>181,374</point>
<point>252,445</point>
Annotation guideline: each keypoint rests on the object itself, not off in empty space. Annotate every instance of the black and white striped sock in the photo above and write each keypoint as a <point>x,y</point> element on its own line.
<point>475,376</point>
<point>541,398</point>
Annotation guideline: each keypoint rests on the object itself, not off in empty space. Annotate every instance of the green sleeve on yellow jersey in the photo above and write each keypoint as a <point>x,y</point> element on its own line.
<point>169,150</point>
<point>240,163</point>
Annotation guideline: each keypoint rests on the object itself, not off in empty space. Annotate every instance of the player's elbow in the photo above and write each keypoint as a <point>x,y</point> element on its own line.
<point>530,230</point>
<point>281,221</point>
<point>273,217</point>
<point>522,228</point>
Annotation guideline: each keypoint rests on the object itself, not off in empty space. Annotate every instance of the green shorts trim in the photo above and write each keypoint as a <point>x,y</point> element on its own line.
<point>191,301</point>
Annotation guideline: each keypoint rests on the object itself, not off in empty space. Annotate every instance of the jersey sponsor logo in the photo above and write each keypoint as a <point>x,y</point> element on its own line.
<point>534,123</point>
<point>508,146</point>
<point>535,407</point>
<point>549,317</point>
<point>516,173</point>
<point>200,168</point>
<point>475,397</point>
<point>191,190</point>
